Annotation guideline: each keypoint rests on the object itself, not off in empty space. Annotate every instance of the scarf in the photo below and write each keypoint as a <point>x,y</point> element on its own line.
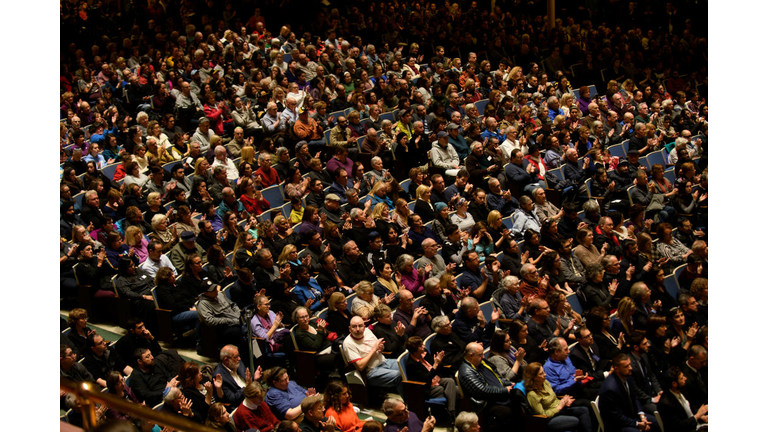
<point>165,236</point>
<point>388,284</point>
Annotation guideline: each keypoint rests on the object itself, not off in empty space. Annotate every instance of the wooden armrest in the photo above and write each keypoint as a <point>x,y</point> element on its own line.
<point>163,310</point>
<point>305,352</point>
<point>505,320</point>
<point>540,416</point>
<point>386,353</point>
<point>414,382</point>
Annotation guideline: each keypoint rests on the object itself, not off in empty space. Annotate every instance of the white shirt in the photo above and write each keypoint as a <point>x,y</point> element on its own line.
<point>239,381</point>
<point>357,349</point>
<point>232,173</point>
<point>151,267</point>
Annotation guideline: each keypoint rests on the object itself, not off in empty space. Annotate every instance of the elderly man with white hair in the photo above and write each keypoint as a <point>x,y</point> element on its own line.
<point>290,114</point>
<point>204,134</point>
<point>399,418</point>
<point>444,155</point>
<point>221,159</point>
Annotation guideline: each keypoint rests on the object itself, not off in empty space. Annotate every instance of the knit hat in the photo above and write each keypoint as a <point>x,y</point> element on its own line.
<point>440,205</point>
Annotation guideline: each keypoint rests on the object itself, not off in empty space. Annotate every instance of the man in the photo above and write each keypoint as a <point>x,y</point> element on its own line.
<point>341,135</point>
<point>353,268</point>
<point>461,188</point>
<point>235,146</point>
<point>328,277</point>
<point>290,114</point>
<point>648,387</point>
<point>503,201</point>
<point>573,171</point>
<point>314,250</point>
<point>471,325</point>
<point>217,311</point>
<point>449,342</point>
<point>614,130</point>
<point>175,403</point>
<point>148,380</point>
<point>272,122</point>
<point>219,183</point>
<point>533,285</point>
<point>269,175</point>
<point>431,257</point>
<point>554,110</point>
<point>399,418</point>
<point>486,391</point>
<point>221,159</point>
<point>643,194</point>
<point>364,352</point>
<point>621,178</point>
<point>437,301</point>
<point>341,183</point>
<point>444,155</point>
<point>332,209</point>
<point>92,213</point>
<point>457,141</point>
<point>474,279</point>
<point>267,271</point>
<point>696,387</point>
<point>187,246</point>
<point>416,321</point>
<point>70,369</point>
<point>479,208</point>
<point>307,129</point>
<point>604,234</point>
<point>230,203</point>
<point>585,355</point>
<point>314,415</point>
<point>100,359</point>
<point>316,195</point>
<point>640,142</point>
<point>203,134</point>
<point>633,157</point>
<point>674,408</point>
<point>619,406</point>
<point>453,105</point>
<point>521,173</point>
<point>592,117</point>
<point>438,190</point>
<point>543,326</point>
<point>235,376</point>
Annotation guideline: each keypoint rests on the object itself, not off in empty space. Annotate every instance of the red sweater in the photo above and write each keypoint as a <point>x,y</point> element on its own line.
<point>261,419</point>
<point>346,420</point>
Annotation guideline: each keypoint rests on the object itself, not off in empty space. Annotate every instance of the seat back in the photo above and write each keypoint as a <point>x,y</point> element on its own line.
<point>487,309</point>
<point>402,361</point>
<point>658,419</point>
<point>323,314</point>
<point>412,206</point>
<point>573,300</point>
<point>656,158</point>
<point>274,196</point>
<point>670,284</point>
<point>629,193</point>
<point>154,297</point>
<point>670,175</point>
<point>508,222</point>
<point>388,116</point>
<point>417,302</point>
<point>109,170</point>
<point>617,150</point>
<point>480,105</point>
<point>428,341</point>
<point>78,199</point>
<point>596,409</point>
<point>228,291</point>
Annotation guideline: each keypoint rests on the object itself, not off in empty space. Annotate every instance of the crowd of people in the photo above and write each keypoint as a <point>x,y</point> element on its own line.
<point>414,146</point>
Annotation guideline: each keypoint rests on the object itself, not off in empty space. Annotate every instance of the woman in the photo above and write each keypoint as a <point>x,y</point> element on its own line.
<point>290,256</point>
<point>133,176</point>
<point>245,252</point>
<point>338,316</point>
<point>70,179</point>
<point>284,234</point>
<point>254,413</point>
<point>93,271</point>
<point>364,302</point>
<point>140,157</point>
<point>586,252</point>
<point>543,401</point>
<point>202,172</point>
<point>441,221</point>
<point>199,393</point>
<point>551,267</point>
<point>657,177</point>
<point>220,266</point>
<point>598,322</point>
<point>116,387</point>
<point>160,232</point>
<point>268,325</point>
<point>686,203</point>
<point>251,198</point>
<point>395,244</point>
<point>184,221</point>
<point>134,238</point>
<point>218,418</point>
<point>654,279</point>
<point>95,156</point>
<point>180,300</point>
<point>423,366</point>
<point>284,396</point>
<point>393,334</point>
<point>401,214</point>
<point>315,337</point>
<point>338,407</point>
<point>596,291</point>
<point>79,330</point>
<point>507,360</point>
<point>622,322</point>
<point>295,186</point>
<point>462,218</point>
<point>318,173</point>
<point>518,331</point>
<point>561,311</point>
<point>677,328</point>
<point>480,241</point>
<point>163,142</point>
<point>497,230</point>
<point>381,216</point>
<point>332,236</point>
<point>230,231</point>
<point>670,247</point>
<point>412,279</point>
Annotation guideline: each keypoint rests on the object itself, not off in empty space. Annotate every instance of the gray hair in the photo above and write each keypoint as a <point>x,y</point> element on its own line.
<point>681,142</point>
<point>219,150</point>
<point>475,144</point>
<point>375,159</point>
<point>157,219</point>
<point>527,268</point>
<point>173,393</point>
<point>551,100</point>
<point>295,314</point>
<point>281,150</point>
<point>226,351</point>
<point>264,156</point>
<point>464,421</point>
<point>141,115</point>
<point>591,206</point>
<point>508,281</point>
<point>431,283</point>
<point>468,106</point>
<point>388,407</point>
<point>402,260</point>
<point>438,322</point>
<point>386,123</point>
<point>355,212</point>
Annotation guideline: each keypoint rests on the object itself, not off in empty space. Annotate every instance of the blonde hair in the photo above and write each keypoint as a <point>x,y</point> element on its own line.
<point>421,190</point>
<point>153,196</point>
<point>493,216</point>
<point>378,209</point>
<point>283,258</point>
<point>130,235</point>
<point>248,154</point>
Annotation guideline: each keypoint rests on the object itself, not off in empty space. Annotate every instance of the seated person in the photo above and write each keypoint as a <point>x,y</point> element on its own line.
<point>423,366</point>
<point>364,351</point>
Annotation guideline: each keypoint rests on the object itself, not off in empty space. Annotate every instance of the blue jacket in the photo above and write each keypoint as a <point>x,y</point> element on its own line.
<point>311,290</point>
<point>518,174</point>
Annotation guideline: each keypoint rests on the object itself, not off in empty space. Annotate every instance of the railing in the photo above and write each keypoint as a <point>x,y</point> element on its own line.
<point>89,394</point>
